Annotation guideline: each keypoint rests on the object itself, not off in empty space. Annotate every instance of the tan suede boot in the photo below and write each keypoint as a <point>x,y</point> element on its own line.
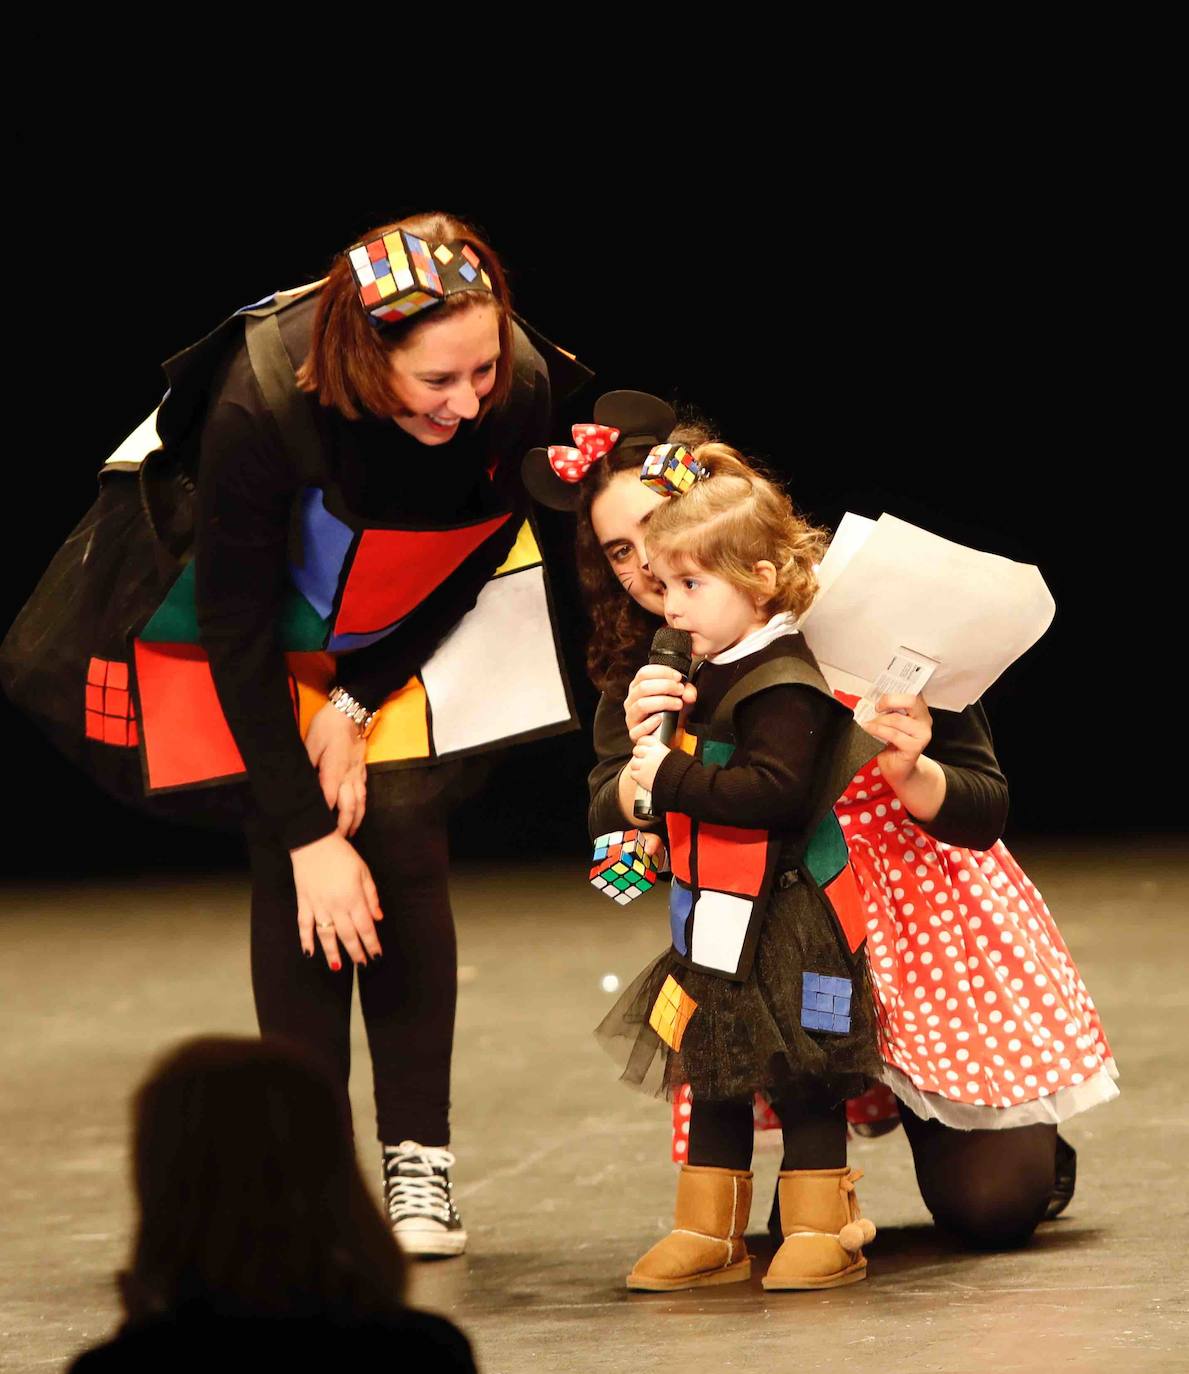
<point>706,1243</point>
<point>823,1230</point>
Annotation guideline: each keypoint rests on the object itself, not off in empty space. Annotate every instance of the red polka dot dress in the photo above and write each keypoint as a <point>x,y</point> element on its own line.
<point>987,1023</point>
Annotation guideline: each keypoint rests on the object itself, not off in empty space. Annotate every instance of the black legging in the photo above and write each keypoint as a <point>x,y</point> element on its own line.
<point>990,1188</point>
<point>408,996</point>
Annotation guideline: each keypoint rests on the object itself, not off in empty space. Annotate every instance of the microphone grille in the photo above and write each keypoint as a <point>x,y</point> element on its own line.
<point>674,648</point>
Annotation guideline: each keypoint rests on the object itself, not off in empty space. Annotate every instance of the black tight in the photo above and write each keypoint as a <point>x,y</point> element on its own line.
<point>990,1188</point>
<point>408,996</point>
<point>721,1135</point>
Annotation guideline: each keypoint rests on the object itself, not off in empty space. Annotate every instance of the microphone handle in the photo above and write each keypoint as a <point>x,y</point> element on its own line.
<point>642,807</point>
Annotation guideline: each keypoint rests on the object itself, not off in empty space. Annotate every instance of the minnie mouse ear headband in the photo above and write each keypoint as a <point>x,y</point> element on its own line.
<point>399,274</point>
<point>627,423</point>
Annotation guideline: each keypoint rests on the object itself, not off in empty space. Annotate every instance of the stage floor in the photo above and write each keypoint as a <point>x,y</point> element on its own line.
<point>563,1175</point>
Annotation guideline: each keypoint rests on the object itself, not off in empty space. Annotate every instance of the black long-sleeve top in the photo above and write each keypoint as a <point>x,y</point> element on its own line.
<point>246,490</point>
<point>972,814</point>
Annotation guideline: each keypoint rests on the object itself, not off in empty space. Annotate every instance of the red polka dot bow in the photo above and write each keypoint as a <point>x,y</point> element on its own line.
<point>593,441</point>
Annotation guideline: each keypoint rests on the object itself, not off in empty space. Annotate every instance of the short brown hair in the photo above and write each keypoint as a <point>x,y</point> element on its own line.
<point>347,366</point>
<point>732,520</point>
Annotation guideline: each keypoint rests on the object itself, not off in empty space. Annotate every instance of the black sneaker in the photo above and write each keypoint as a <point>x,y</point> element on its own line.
<point>420,1199</point>
<point>1064,1181</point>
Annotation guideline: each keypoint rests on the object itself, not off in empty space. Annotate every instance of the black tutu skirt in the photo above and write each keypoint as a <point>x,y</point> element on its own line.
<point>749,1037</point>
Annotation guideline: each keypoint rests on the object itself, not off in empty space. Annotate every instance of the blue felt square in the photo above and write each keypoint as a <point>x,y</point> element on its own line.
<point>466,270</point>
<point>838,987</point>
<point>816,1020</point>
<point>381,267</point>
<point>809,982</point>
<point>840,1006</point>
<point>600,853</point>
<point>840,1024</point>
<point>820,1001</point>
<point>681,899</point>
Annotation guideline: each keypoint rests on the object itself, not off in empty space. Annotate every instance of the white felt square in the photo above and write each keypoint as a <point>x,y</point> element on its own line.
<point>720,927</point>
<point>497,674</point>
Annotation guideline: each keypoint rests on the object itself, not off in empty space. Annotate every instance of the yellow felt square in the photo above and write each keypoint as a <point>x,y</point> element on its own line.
<point>688,744</point>
<point>401,730</point>
<point>443,254</point>
<point>671,1013</point>
<point>385,285</point>
<point>523,554</point>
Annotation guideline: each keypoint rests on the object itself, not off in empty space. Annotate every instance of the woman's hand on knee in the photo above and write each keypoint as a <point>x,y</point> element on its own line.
<point>340,756</point>
<point>336,900</point>
<point>654,690</point>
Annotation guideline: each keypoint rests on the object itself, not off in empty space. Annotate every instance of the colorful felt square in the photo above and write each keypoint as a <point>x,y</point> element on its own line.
<point>509,633</point>
<point>825,1003</point>
<point>850,906</point>
<point>443,254</point>
<point>393,571</point>
<point>471,256</point>
<point>720,923</point>
<point>671,1013</point>
<point>731,859</point>
<point>467,272</point>
<point>186,738</point>
<point>678,826</point>
<point>108,712</point>
<point>717,752</point>
<point>681,901</point>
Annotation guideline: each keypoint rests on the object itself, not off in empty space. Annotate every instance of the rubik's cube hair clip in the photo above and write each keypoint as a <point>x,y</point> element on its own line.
<point>671,470</point>
<point>399,275</point>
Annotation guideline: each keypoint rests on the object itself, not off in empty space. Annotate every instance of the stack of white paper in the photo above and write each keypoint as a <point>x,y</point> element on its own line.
<point>885,584</point>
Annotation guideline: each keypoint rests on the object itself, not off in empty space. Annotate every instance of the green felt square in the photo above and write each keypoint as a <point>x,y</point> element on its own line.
<point>826,855</point>
<point>302,629</point>
<point>175,621</point>
<point>717,751</point>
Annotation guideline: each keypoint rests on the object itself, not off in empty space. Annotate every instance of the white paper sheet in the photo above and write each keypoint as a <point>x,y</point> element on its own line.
<point>886,583</point>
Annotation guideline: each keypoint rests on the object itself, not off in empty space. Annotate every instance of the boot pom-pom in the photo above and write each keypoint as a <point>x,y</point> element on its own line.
<point>855,1234</point>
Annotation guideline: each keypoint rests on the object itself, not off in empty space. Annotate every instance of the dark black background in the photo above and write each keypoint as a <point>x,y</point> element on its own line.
<point>944,327</point>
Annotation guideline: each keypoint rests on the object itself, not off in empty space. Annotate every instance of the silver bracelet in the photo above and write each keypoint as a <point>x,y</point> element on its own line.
<point>355,711</point>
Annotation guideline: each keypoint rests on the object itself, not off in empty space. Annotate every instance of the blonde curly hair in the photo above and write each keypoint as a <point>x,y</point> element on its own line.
<point>733,519</point>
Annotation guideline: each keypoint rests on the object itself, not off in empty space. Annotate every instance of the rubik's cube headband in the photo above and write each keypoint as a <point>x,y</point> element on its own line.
<point>399,274</point>
<point>671,469</point>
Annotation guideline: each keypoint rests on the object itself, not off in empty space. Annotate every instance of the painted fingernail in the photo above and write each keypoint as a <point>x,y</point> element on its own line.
<point>336,966</point>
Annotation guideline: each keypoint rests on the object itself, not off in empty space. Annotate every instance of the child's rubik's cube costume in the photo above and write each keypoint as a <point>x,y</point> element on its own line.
<point>700,1014</point>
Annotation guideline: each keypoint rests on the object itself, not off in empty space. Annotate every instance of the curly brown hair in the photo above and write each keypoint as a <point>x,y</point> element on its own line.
<point>621,629</point>
<point>735,518</point>
<point>347,366</point>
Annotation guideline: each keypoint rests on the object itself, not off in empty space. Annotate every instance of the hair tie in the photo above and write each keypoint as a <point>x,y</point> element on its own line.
<point>671,470</point>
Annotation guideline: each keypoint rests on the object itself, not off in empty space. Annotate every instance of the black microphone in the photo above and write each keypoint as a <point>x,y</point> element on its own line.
<point>672,649</point>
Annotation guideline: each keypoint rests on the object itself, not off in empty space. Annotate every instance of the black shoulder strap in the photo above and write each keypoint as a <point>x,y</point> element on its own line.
<point>273,370</point>
<point>278,385</point>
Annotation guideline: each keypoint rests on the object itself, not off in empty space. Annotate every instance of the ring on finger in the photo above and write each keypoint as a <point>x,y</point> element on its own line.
<point>324,925</point>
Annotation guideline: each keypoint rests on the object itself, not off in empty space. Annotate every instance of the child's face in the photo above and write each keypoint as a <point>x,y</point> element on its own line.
<point>714,611</point>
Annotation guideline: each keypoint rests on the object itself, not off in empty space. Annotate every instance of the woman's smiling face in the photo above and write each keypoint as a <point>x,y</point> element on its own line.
<point>619,515</point>
<point>443,372</point>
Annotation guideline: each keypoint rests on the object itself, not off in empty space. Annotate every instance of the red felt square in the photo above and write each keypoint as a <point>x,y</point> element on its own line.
<point>846,897</point>
<point>393,571</point>
<point>115,731</point>
<point>94,725</point>
<point>186,738</point>
<point>678,827</point>
<point>116,703</point>
<point>133,734</point>
<point>370,294</point>
<point>94,698</point>
<point>97,671</point>
<point>376,250</point>
<point>731,859</point>
<point>117,675</point>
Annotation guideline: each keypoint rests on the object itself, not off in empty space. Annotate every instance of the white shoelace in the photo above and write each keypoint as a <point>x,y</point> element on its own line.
<point>415,1188</point>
